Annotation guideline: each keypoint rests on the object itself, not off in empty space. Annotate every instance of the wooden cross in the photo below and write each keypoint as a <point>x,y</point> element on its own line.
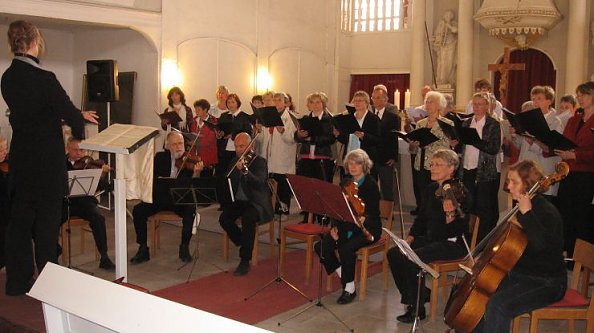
<point>504,68</point>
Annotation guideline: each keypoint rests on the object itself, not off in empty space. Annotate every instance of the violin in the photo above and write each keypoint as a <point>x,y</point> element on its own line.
<point>87,162</point>
<point>351,191</point>
<point>187,162</point>
<point>452,190</point>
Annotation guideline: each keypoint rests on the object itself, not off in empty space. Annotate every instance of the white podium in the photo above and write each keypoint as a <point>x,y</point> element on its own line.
<point>121,140</point>
<point>77,302</point>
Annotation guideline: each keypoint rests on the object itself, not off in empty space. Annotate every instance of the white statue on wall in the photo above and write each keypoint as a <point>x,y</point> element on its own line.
<point>445,40</point>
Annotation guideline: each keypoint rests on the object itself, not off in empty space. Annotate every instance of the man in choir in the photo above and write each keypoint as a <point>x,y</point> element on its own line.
<point>278,147</point>
<point>251,201</point>
<point>165,166</point>
<point>38,104</point>
<point>388,149</point>
<point>220,106</point>
<point>479,162</point>
<point>86,206</point>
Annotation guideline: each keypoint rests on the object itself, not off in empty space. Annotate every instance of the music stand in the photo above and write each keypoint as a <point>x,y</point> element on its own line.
<point>412,256</point>
<point>322,198</point>
<point>197,192</point>
<point>81,183</point>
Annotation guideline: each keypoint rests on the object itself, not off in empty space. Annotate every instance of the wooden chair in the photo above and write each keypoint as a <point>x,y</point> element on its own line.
<point>83,224</point>
<point>154,224</point>
<point>261,229</point>
<point>303,233</point>
<point>575,304</point>
<point>443,267</point>
<point>382,245</point>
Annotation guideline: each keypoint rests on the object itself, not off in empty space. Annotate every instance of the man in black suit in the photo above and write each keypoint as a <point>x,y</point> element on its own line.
<point>38,105</point>
<point>86,206</point>
<point>164,166</point>
<point>252,202</point>
<point>388,149</point>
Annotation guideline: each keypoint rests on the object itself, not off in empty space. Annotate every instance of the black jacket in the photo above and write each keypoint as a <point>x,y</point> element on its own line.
<point>255,186</point>
<point>162,168</point>
<point>371,139</point>
<point>323,142</point>
<point>38,104</point>
<point>369,194</point>
<point>388,144</point>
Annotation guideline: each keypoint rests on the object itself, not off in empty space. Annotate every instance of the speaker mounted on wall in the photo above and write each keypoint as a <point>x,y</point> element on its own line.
<point>102,81</point>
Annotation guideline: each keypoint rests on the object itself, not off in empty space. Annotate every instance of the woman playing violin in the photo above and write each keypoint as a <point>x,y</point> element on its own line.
<point>539,278</point>
<point>436,233</point>
<point>346,238</point>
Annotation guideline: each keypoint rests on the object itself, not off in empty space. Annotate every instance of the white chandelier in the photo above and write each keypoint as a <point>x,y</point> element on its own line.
<point>518,23</point>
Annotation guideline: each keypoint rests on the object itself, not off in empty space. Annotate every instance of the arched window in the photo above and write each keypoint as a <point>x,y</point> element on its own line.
<point>374,15</point>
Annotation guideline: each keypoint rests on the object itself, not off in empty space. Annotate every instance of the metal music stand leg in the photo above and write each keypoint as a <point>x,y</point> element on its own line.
<point>279,278</point>
<point>318,302</point>
<point>417,323</point>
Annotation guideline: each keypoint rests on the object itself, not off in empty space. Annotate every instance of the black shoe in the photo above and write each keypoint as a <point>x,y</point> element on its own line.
<point>243,268</point>
<point>106,264</point>
<point>409,316</point>
<point>142,255</point>
<point>346,297</point>
<point>184,253</point>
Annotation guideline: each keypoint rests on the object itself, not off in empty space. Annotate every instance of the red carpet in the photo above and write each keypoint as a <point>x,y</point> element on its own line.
<point>224,294</point>
<point>19,314</point>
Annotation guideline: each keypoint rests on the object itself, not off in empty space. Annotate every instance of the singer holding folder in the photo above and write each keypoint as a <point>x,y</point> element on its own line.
<point>435,234</point>
<point>338,248</point>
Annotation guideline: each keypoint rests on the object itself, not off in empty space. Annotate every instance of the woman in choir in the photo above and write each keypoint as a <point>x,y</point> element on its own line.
<point>567,106</point>
<point>434,103</point>
<point>177,103</point>
<point>367,134</point>
<point>220,106</point>
<point>577,189</point>
<point>338,249</point>
<point>206,145</point>
<point>436,233</point>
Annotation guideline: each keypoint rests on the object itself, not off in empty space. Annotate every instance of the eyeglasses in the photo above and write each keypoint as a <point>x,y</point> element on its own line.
<point>431,165</point>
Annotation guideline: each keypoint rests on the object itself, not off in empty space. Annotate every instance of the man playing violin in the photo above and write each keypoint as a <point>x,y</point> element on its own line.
<point>338,249</point>
<point>251,201</point>
<point>165,166</point>
<point>435,233</point>
<point>86,207</point>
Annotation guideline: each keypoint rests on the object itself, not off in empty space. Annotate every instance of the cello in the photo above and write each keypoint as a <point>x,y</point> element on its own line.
<point>499,252</point>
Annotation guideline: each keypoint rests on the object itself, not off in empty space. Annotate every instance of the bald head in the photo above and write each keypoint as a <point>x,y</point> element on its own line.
<point>242,140</point>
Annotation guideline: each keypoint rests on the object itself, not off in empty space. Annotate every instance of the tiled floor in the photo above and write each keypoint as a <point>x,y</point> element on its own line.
<point>376,313</point>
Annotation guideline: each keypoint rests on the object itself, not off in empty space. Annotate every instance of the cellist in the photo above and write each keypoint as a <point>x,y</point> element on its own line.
<point>539,278</point>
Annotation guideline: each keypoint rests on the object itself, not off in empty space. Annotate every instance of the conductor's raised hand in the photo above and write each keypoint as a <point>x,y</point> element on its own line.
<point>90,116</point>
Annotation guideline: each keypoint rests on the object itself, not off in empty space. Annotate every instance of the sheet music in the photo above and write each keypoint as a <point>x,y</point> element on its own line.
<point>120,138</point>
<point>410,253</point>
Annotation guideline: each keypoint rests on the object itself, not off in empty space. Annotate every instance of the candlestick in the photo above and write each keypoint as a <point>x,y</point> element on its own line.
<point>397,99</point>
<point>406,99</point>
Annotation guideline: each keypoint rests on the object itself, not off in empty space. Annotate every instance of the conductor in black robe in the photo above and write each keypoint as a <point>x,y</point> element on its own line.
<point>38,104</point>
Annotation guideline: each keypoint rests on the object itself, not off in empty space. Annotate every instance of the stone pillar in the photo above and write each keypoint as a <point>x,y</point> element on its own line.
<point>465,53</point>
<point>417,54</point>
<point>577,34</point>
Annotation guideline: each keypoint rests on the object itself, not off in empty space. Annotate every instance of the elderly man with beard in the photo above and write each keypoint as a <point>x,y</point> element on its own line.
<point>164,166</point>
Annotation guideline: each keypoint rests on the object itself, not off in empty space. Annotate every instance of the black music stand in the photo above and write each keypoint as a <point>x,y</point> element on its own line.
<point>326,199</point>
<point>197,192</point>
<point>412,256</point>
<point>81,183</point>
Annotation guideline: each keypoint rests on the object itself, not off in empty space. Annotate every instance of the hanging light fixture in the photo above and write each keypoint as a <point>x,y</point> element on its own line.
<point>518,23</point>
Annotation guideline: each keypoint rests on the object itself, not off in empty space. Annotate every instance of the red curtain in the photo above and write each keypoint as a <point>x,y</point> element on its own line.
<point>366,82</point>
<point>539,71</point>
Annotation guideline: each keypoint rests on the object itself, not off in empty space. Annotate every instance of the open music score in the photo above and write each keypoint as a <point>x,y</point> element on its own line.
<point>120,138</point>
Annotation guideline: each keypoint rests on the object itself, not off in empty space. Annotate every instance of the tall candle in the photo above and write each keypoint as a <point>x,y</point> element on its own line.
<point>406,99</point>
<point>397,99</point>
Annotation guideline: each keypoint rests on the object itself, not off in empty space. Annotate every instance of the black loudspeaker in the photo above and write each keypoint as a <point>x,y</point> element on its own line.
<point>102,81</point>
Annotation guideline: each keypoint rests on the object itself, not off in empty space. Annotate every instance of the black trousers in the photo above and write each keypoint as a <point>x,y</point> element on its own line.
<point>32,218</point>
<point>347,250</point>
<point>386,178</point>
<point>485,201</point>
<point>575,205</point>
<point>244,236</point>
<point>143,211</point>
<point>86,208</point>
<point>319,169</point>
<point>405,271</point>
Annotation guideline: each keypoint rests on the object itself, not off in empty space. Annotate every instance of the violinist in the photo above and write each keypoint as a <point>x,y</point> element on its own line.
<point>86,206</point>
<point>539,278</point>
<point>346,238</point>
<point>435,233</point>
<point>4,204</point>
<point>164,165</point>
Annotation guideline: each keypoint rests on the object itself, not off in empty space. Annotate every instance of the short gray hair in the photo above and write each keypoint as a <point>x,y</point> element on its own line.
<point>441,100</point>
<point>449,156</point>
<point>359,156</point>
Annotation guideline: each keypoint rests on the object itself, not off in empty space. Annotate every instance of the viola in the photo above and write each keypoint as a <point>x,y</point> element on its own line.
<point>499,252</point>
<point>452,190</point>
<point>351,191</point>
<point>87,162</point>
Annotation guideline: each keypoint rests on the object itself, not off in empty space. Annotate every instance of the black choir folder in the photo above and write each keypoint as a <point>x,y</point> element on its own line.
<point>172,117</point>
<point>534,123</point>
<point>346,123</point>
<point>423,135</point>
<point>268,116</point>
<point>312,125</point>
